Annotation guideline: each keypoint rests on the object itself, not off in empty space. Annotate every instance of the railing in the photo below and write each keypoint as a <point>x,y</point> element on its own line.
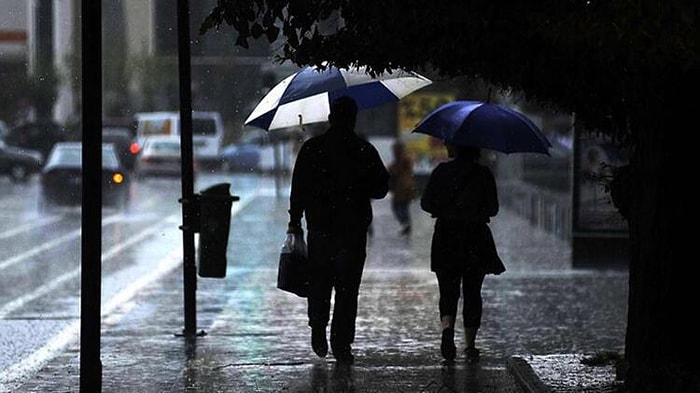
<point>546,209</point>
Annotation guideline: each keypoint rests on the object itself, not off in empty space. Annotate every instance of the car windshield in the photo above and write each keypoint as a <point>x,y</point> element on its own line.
<point>65,155</point>
<point>148,127</point>
<point>72,156</point>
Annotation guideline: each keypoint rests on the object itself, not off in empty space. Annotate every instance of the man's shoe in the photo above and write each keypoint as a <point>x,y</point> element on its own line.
<point>447,345</point>
<point>318,341</point>
<point>472,355</point>
<point>343,355</point>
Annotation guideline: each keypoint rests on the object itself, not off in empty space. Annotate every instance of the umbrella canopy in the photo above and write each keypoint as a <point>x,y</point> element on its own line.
<point>305,96</point>
<point>484,125</point>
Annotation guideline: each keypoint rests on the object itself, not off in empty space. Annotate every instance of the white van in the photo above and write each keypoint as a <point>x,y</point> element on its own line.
<point>207,132</point>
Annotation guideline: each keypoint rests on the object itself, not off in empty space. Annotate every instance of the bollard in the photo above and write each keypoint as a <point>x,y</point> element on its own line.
<point>214,224</point>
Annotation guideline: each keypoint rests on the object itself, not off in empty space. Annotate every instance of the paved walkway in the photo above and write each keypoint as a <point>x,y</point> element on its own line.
<point>256,338</point>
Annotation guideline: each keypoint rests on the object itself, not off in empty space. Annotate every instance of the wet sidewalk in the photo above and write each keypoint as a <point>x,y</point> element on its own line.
<point>255,337</point>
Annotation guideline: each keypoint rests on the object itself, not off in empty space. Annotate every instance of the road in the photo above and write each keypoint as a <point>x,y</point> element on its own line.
<point>40,259</point>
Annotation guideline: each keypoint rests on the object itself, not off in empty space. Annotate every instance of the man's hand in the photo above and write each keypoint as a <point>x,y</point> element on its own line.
<point>295,228</point>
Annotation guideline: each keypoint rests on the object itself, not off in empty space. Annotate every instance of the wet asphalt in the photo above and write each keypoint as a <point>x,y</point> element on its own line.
<point>254,337</point>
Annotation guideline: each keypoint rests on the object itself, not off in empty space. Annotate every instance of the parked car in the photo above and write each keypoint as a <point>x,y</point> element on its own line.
<point>243,157</point>
<point>261,151</point>
<point>40,136</point>
<point>61,177</point>
<point>19,163</point>
<point>207,132</point>
<point>125,144</point>
<point>160,156</point>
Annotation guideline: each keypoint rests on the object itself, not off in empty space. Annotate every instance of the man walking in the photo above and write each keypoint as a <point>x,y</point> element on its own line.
<point>335,176</point>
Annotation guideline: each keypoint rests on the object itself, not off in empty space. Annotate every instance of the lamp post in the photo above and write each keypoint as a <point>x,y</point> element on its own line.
<point>91,215</point>
<point>188,197</point>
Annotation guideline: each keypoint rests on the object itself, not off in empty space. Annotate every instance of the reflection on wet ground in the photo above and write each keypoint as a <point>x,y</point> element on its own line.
<point>257,338</point>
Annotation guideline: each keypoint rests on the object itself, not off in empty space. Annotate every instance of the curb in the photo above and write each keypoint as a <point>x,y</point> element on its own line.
<point>525,376</point>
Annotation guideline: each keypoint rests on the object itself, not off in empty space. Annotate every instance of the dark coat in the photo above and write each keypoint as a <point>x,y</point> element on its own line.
<point>335,176</point>
<point>462,196</point>
<point>402,183</point>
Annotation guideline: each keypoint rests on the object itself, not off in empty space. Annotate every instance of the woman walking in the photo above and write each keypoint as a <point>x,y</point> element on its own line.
<point>461,194</point>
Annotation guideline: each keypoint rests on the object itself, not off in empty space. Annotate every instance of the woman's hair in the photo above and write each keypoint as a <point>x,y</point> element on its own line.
<point>469,152</point>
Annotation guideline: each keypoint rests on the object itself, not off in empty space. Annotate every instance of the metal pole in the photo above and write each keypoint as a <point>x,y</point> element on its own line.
<point>91,216</point>
<point>42,59</point>
<point>188,203</point>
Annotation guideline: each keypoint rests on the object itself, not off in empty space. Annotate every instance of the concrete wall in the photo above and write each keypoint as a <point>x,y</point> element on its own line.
<point>13,30</point>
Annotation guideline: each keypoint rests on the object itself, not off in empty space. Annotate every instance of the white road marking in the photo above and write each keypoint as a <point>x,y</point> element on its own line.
<point>49,245</point>
<point>32,363</point>
<point>55,283</point>
<point>30,225</point>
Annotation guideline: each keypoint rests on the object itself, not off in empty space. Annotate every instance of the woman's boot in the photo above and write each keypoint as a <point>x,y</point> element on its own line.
<point>447,344</point>
<point>471,352</point>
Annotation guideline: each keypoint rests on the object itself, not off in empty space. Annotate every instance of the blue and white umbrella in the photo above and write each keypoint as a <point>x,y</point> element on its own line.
<point>305,96</point>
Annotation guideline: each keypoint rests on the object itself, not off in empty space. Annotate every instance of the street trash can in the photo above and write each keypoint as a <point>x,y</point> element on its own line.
<point>214,224</point>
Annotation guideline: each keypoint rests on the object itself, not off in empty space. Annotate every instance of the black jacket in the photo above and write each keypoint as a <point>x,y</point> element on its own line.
<point>335,176</point>
<point>462,196</point>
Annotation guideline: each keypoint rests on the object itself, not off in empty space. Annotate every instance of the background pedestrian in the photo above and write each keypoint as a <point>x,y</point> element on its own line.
<point>402,185</point>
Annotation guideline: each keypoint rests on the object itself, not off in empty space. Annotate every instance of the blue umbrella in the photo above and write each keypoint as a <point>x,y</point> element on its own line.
<point>484,125</point>
<point>305,96</point>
